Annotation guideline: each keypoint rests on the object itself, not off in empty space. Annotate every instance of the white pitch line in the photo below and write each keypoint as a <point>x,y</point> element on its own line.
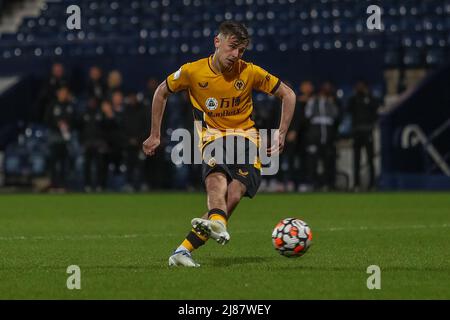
<point>143,235</point>
<point>80,237</point>
<point>416,226</point>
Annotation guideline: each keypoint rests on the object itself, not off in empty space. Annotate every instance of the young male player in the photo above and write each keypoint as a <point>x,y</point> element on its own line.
<point>220,89</point>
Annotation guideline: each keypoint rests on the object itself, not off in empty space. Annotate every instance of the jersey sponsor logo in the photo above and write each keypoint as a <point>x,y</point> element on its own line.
<point>177,74</point>
<point>203,85</point>
<point>225,113</point>
<point>230,102</point>
<point>239,84</point>
<point>211,103</point>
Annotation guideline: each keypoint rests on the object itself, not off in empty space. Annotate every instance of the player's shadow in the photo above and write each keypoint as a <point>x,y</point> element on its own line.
<point>236,261</point>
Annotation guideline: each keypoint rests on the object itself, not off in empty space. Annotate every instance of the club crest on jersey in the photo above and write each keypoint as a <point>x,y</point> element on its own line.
<point>239,84</point>
<point>211,103</point>
<point>212,162</point>
<point>203,85</point>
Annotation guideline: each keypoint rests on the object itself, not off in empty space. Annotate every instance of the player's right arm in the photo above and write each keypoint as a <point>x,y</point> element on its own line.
<point>175,82</point>
<point>158,106</point>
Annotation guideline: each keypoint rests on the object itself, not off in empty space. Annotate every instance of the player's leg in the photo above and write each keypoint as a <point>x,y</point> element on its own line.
<point>236,191</point>
<point>214,224</point>
<point>216,189</point>
<point>218,194</point>
<point>224,196</point>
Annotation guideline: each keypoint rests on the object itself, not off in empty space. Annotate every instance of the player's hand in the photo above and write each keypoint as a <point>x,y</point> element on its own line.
<point>278,145</point>
<point>149,146</point>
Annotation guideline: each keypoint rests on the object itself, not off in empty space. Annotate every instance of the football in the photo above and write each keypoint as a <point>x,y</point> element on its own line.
<point>292,237</point>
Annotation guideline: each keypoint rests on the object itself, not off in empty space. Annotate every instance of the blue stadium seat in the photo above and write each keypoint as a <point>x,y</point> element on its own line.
<point>435,39</point>
<point>275,24</point>
<point>392,58</point>
<point>413,40</point>
<point>436,56</point>
<point>8,36</point>
<point>412,58</point>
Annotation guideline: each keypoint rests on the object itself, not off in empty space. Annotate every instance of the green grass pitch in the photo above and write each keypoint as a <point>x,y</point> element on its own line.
<point>122,243</point>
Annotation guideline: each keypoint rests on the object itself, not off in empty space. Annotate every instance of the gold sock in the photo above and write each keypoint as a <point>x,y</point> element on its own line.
<point>216,216</point>
<point>188,245</point>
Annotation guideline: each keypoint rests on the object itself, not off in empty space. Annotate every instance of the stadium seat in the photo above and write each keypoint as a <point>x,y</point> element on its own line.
<point>412,58</point>
<point>392,58</point>
<point>273,24</point>
<point>435,56</point>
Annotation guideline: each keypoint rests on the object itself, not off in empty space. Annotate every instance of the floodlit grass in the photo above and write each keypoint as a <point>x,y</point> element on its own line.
<point>122,243</point>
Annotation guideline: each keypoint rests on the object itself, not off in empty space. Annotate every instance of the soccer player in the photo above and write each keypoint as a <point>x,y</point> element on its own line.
<point>220,89</point>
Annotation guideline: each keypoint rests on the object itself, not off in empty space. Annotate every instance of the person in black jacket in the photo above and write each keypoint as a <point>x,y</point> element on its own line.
<point>112,127</point>
<point>96,87</point>
<point>363,107</point>
<point>60,118</point>
<point>47,94</point>
<point>321,116</point>
<point>134,127</point>
<point>299,125</point>
<point>94,145</point>
<point>289,159</point>
<point>157,171</point>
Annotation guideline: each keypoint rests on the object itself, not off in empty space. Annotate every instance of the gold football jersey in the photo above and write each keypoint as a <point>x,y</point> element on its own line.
<point>222,102</point>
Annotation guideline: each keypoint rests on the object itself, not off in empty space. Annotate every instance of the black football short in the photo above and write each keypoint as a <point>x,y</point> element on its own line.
<point>239,165</point>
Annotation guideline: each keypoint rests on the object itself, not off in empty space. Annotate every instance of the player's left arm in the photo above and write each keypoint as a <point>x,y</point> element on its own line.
<point>288,99</point>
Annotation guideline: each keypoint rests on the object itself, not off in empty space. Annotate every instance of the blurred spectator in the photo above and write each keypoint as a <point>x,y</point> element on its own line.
<point>152,84</point>
<point>134,128</point>
<point>290,162</point>
<point>60,119</point>
<point>363,107</point>
<point>118,142</point>
<point>147,99</point>
<point>114,83</point>
<point>112,131</point>
<point>266,115</point>
<point>96,88</point>
<point>158,170</point>
<point>117,102</point>
<point>94,146</point>
<point>179,115</point>
<point>321,115</point>
<point>48,91</point>
<point>305,93</point>
<point>299,124</point>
